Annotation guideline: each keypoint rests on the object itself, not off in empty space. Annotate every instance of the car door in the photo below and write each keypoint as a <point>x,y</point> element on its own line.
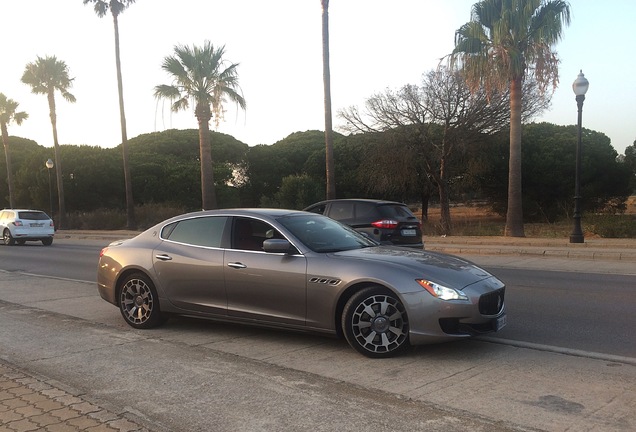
<point>189,264</point>
<point>268,287</point>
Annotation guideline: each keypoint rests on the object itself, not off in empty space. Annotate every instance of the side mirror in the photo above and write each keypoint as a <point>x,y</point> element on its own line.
<point>278,246</point>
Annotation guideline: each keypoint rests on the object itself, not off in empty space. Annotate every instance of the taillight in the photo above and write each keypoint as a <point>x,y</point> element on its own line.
<point>18,223</point>
<point>385,224</point>
<point>102,252</point>
<point>51,224</point>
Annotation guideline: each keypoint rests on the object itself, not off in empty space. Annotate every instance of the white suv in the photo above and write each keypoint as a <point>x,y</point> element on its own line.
<point>20,226</point>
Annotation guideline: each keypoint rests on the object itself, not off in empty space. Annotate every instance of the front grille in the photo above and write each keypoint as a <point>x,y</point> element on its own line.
<point>492,303</point>
<point>453,326</point>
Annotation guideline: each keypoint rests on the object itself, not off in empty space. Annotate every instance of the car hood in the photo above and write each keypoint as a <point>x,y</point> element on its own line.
<point>444,269</point>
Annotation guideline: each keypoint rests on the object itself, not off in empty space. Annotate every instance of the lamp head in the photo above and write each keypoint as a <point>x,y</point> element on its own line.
<point>49,163</point>
<point>580,85</point>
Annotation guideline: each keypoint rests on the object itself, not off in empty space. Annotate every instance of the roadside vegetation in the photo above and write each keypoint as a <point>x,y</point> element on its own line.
<point>290,173</point>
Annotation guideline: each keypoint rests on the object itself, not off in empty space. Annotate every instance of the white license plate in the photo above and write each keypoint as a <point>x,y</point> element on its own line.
<point>501,322</point>
<point>37,225</point>
<point>408,232</point>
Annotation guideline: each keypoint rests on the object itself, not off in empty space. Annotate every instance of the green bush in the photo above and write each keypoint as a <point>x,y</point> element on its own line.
<point>611,226</point>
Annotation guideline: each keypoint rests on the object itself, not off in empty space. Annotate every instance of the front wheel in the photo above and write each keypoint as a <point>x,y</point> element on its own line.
<point>8,238</point>
<point>375,323</point>
<point>139,303</point>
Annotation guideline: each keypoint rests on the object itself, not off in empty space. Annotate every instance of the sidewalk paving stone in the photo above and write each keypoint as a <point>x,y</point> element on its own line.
<point>32,403</point>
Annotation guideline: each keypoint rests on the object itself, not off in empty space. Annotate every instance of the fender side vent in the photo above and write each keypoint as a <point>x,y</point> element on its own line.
<point>325,281</point>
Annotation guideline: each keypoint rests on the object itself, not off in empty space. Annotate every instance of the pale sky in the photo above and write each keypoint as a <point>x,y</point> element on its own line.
<point>374,44</point>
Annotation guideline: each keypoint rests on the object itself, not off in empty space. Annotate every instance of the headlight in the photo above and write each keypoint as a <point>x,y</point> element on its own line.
<point>441,292</point>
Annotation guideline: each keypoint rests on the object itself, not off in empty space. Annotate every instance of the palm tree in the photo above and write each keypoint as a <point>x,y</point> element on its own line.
<point>116,8</point>
<point>202,77</point>
<point>9,114</point>
<point>326,77</point>
<point>45,76</point>
<point>506,41</point>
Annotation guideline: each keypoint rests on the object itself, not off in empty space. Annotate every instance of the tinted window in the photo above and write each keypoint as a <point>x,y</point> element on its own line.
<point>398,211</point>
<point>320,209</point>
<point>366,210</point>
<point>249,234</point>
<point>32,215</point>
<point>341,210</point>
<point>204,231</point>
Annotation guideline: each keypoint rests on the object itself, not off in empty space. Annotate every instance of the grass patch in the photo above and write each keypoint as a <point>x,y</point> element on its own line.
<point>475,220</point>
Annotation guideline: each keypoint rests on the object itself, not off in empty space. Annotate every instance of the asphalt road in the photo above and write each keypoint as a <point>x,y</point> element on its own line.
<point>568,310</point>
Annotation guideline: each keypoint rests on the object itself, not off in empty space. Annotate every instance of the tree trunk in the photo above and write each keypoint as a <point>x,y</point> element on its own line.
<point>444,200</point>
<point>208,193</point>
<point>7,155</point>
<point>514,215</point>
<point>130,205</point>
<point>326,76</point>
<point>61,222</point>
<point>425,197</point>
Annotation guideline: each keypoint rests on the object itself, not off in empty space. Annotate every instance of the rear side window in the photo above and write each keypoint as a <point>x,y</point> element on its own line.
<point>32,215</point>
<point>341,210</point>
<point>204,231</point>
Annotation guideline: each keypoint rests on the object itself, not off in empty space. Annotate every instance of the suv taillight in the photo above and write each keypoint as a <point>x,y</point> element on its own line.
<point>385,224</point>
<point>17,223</point>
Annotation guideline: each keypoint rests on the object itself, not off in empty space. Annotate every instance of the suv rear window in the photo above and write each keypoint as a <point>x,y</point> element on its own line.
<point>32,215</point>
<point>392,210</point>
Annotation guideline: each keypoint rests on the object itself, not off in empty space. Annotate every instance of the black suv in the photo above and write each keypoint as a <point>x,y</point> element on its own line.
<point>387,222</point>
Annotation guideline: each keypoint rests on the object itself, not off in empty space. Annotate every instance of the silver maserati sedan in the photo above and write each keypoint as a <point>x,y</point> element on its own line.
<point>301,271</point>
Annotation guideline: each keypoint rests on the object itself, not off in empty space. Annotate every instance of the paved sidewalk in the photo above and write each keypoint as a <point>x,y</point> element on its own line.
<point>35,403</point>
<point>32,403</point>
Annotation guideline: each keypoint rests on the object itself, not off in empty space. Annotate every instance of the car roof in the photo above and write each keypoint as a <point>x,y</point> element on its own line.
<point>263,212</point>
<point>22,210</point>
<point>366,200</point>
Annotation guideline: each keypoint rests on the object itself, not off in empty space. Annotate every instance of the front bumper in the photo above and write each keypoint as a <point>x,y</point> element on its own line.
<point>432,320</point>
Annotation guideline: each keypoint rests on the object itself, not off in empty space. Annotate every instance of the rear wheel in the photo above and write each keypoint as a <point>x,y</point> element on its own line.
<point>375,323</point>
<point>8,238</point>
<point>139,303</point>
<point>47,241</point>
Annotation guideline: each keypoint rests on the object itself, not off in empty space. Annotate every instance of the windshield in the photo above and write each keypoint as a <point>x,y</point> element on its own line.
<point>322,234</point>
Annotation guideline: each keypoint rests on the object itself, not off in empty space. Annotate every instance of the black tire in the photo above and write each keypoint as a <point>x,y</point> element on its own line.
<point>8,238</point>
<point>375,323</point>
<point>139,303</point>
<point>47,241</point>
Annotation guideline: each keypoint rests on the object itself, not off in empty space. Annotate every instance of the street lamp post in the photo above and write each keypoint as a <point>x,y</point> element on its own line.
<point>580,87</point>
<point>49,165</point>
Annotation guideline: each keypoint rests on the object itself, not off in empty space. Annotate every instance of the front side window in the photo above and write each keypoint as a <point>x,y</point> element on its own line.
<point>202,231</point>
<point>249,234</point>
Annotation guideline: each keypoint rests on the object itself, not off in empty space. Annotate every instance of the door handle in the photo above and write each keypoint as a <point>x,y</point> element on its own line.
<point>163,257</point>
<point>236,265</point>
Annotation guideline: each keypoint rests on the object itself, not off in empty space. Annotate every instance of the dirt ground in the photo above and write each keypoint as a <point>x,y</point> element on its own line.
<point>462,212</point>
